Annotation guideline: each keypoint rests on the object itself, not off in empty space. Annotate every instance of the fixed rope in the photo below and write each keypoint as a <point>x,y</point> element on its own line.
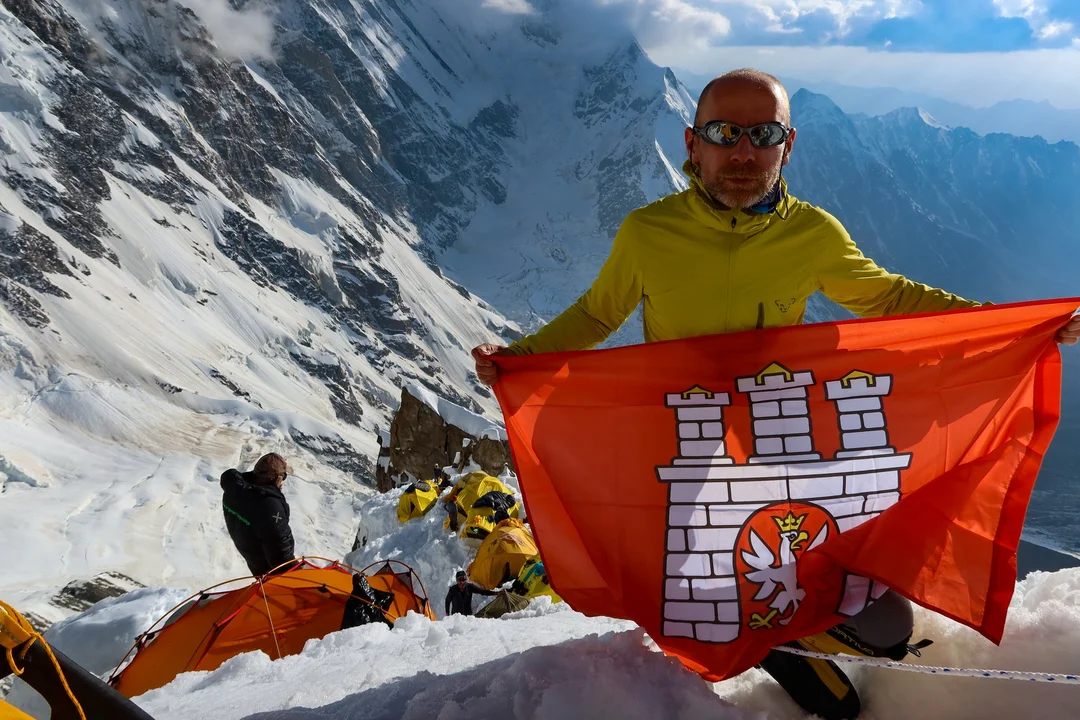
<point>1056,678</point>
<point>16,631</point>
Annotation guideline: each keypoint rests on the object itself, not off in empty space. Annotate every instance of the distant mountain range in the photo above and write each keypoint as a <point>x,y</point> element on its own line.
<point>1016,117</point>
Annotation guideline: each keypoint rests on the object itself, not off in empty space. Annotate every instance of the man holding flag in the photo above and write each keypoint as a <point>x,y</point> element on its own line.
<point>737,252</point>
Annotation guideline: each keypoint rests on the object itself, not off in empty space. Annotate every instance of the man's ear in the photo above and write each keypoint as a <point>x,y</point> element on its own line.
<point>788,145</point>
<point>688,136</point>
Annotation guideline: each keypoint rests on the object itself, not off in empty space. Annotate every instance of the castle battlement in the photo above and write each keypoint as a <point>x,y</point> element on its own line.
<point>715,504</point>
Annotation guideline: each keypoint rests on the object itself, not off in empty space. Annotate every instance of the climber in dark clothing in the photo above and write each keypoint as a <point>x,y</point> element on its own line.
<point>459,596</point>
<point>257,514</point>
<point>366,604</point>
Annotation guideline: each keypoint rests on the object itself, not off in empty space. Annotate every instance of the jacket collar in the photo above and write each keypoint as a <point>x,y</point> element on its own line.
<point>236,481</point>
<point>742,222</point>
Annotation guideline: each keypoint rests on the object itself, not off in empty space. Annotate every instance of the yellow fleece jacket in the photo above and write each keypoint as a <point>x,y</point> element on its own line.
<point>703,269</point>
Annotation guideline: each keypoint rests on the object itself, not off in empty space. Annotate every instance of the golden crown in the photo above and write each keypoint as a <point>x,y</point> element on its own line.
<point>789,523</point>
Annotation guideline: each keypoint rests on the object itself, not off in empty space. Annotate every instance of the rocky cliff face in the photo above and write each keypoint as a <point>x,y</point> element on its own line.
<point>421,440</point>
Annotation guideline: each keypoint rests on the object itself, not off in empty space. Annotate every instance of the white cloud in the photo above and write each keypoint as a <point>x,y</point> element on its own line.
<point>1037,16</point>
<point>513,7</point>
<point>1020,8</point>
<point>976,79</point>
<point>1055,29</point>
<point>788,12</point>
<point>246,34</point>
<point>691,34</point>
<point>657,22</point>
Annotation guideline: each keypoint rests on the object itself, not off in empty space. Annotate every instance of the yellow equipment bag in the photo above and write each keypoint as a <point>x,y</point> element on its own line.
<point>533,578</point>
<point>8,712</point>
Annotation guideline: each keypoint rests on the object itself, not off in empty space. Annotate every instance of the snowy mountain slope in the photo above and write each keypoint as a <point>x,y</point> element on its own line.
<point>206,258</point>
<point>173,308</point>
<point>550,662</point>
<point>567,194</point>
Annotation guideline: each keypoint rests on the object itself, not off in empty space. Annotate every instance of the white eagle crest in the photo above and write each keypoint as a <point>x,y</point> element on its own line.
<point>770,576</point>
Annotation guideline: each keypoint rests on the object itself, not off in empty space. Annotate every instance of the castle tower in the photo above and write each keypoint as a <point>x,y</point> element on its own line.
<point>699,414</point>
<point>699,592</point>
<point>781,415</point>
<point>862,423</point>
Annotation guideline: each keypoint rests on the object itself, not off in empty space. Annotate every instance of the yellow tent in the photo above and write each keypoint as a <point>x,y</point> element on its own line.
<point>502,554</point>
<point>468,490</point>
<point>416,500</point>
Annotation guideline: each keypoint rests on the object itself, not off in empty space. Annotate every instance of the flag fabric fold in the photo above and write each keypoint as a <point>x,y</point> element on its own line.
<point>730,493</point>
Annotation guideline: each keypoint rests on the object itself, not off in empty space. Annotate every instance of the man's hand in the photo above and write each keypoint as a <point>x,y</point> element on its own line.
<point>1069,334</point>
<point>485,369</point>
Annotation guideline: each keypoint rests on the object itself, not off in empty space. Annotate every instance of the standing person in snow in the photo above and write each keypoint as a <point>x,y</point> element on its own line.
<point>459,596</point>
<point>439,477</point>
<point>736,251</point>
<point>257,514</point>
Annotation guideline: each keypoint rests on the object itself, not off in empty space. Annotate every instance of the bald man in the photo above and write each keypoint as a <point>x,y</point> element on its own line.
<point>736,251</point>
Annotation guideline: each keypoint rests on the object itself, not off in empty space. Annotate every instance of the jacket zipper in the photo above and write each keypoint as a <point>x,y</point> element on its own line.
<point>730,262</point>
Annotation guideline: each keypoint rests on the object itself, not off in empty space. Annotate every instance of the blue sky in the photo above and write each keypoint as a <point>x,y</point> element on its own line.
<point>973,51</point>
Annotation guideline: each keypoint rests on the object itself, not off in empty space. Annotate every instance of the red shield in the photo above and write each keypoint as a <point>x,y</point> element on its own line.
<point>769,545</point>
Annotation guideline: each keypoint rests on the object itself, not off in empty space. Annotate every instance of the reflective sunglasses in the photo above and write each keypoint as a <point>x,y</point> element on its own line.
<point>725,134</point>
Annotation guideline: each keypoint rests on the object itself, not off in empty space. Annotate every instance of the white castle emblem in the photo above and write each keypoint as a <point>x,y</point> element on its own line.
<point>713,502</point>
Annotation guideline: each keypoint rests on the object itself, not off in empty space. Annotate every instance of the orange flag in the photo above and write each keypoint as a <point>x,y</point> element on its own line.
<point>730,493</point>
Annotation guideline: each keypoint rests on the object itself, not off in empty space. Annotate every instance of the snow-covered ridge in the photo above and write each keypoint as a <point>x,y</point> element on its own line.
<point>551,662</point>
<point>475,425</point>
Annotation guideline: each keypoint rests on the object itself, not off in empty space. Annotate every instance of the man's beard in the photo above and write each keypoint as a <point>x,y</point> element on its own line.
<point>742,195</point>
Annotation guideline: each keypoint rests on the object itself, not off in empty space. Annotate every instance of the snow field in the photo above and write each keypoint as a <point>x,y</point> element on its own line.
<point>549,662</point>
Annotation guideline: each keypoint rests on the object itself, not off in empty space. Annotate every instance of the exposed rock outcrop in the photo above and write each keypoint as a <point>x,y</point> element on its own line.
<point>429,432</point>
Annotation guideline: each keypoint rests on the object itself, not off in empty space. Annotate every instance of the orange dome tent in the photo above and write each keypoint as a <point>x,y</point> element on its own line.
<point>401,580</point>
<point>277,614</point>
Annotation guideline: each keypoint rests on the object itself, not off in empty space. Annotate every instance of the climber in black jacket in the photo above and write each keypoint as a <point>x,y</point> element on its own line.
<point>257,514</point>
<point>459,596</point>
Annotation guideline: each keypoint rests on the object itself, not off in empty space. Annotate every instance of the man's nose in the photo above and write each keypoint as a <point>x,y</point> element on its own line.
<point>742,151</point>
